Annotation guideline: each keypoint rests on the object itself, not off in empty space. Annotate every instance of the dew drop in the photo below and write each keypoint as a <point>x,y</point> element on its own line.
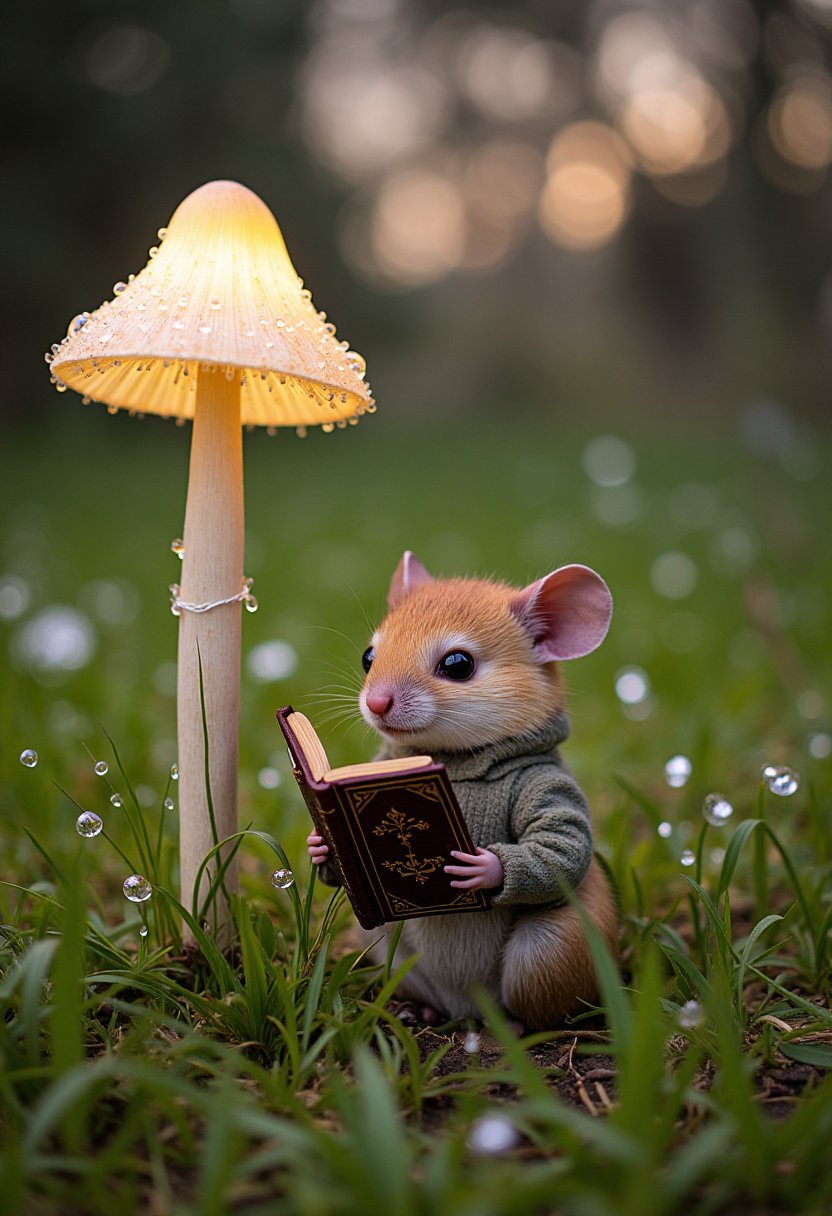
<point>161,233</point>
<point>77,323</point>
<point>251,603</point>
<point>119,287</point>
<point>688,857</point>
<point>677,771</point>
<point>177,546</point>
<point>356,363</point>
<point>169,804</point>
<point>143,931</point>
<point>137,889</point>
<point>115,800</point>
<point>174,772</point>
<point>691,1015</point>
<point>781,780</point>
<point>282,879</point>
<point>101,768</point>
<point>472,1042</point>
<point>491,1135</point>
<point>153,251</point>
<point>665,829</point>
<point>89,824</point>
<point>28,757</point>
<point>717,810</point>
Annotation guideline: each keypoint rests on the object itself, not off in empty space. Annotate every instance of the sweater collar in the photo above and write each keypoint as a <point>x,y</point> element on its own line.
<point>477,762</point>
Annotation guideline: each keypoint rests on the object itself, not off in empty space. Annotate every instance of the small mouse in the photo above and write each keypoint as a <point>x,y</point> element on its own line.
<point>467,670</point>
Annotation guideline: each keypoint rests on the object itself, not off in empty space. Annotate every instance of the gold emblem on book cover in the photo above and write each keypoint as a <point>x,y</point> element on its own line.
<point>403,826</point>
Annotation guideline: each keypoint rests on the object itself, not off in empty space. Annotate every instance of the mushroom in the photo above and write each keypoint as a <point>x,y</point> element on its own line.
<point>217,328</point>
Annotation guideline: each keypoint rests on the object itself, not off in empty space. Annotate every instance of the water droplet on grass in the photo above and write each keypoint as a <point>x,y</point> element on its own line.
<point>781,779</point>
<point>89,824</point>
<point>688,857</point>
<point>137,889</point>
<point>115,799</point>
<point>282,879</point>
<point>28,757</point>
<point>717,810</point>
<point>102,768</point>
<point>174,772</point>
<point>691,1015</point>
<point>169,804</point>
<point>677,771</point>
<point>143,931</point>
<point>491,1135</point>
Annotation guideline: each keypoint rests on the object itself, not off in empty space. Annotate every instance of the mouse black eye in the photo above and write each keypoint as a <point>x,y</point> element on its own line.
<point>367,658</point>
<point>458,665</point>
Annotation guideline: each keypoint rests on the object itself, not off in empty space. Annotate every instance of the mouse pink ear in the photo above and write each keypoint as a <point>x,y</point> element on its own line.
<point>566,614</point>
<point>410,574</point>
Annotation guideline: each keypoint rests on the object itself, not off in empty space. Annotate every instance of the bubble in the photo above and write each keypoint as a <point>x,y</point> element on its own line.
<point>665,829</point>
<point>28,757</point>
<point>673,575</point>
<point>472,1042</point>
<point>89,824</point>
<point>269,778</point>
<point>282,879</point>
<point>115,799</point>
<point>609,461</point>
<point>271,661</point>
<point>174,772</point>
<point>169,804</point>
<point>143,931</point>
<point>119,287</point>
<point>59,639</point>
<point>717,810</point>
<point>820,745</point>
<point>688,857</point>
<point>677,771</point>
<point>137,889</point>
<point>781,779</point>
<point>492,1134</point>
<point>14,597</point>
<point>632,685</point>
<point>102,768</point>
<point>691,1015</point>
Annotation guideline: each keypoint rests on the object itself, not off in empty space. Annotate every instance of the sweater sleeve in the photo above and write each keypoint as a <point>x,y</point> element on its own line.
<point>551,844</point>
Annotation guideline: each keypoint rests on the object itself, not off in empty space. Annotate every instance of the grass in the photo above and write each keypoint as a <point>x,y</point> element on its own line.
<point>284,1077</point>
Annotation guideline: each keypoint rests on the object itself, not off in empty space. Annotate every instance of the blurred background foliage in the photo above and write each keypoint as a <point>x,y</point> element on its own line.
<point>597,208</point>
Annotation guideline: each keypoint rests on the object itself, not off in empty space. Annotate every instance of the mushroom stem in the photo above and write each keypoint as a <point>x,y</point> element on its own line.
<point>212,570</point>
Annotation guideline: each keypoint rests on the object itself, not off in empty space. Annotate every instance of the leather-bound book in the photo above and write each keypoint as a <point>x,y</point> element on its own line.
<point>390,826</point>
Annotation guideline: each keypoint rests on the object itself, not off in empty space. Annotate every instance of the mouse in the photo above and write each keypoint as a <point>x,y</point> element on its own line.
<point>469,671</point>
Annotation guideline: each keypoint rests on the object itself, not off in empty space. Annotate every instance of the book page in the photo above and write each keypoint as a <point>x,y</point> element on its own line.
<point>313,749</point>
<point>377,767</point>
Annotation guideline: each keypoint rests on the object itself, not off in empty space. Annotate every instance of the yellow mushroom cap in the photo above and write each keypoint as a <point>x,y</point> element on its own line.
<point>220,292</point>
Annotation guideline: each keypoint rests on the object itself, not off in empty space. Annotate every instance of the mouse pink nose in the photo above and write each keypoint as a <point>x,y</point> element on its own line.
<point>379,702</point>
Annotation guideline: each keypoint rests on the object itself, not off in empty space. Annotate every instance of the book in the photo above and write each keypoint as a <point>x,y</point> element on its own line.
<point>390,825</point>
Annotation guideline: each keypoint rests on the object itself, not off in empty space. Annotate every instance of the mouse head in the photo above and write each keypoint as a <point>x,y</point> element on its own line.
<point>459,663</point>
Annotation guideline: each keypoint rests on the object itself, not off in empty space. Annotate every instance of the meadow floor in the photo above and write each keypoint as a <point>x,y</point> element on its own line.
<point>284,1075</point>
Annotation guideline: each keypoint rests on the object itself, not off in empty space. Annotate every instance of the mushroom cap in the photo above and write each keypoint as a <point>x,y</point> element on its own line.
<point>219,292</point>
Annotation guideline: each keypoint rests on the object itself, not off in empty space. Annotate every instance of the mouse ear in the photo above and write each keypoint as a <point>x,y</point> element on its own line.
<point>410,574</point>
<point>566,614</point>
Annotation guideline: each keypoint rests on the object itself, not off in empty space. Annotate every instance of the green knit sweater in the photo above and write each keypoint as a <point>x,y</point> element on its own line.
<point>520,801</point>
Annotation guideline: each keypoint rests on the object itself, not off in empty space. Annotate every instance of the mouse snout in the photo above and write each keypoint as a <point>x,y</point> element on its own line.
<point>379,702</point>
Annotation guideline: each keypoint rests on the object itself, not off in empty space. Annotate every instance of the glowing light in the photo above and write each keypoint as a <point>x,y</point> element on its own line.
<point>503,179</point>
<point>506,73</point>
<point>419,226</point>
<point>677,126</point>
<point>587,194</point>
<point>800,123</point>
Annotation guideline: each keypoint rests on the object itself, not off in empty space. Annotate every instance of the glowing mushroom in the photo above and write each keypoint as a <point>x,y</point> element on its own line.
<point>217,328</point>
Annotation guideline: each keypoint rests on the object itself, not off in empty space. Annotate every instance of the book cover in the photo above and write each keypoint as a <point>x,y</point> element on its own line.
<point>390,826</point>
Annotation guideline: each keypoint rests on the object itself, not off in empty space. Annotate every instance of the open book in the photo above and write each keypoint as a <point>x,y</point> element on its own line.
<point>390,826</point>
